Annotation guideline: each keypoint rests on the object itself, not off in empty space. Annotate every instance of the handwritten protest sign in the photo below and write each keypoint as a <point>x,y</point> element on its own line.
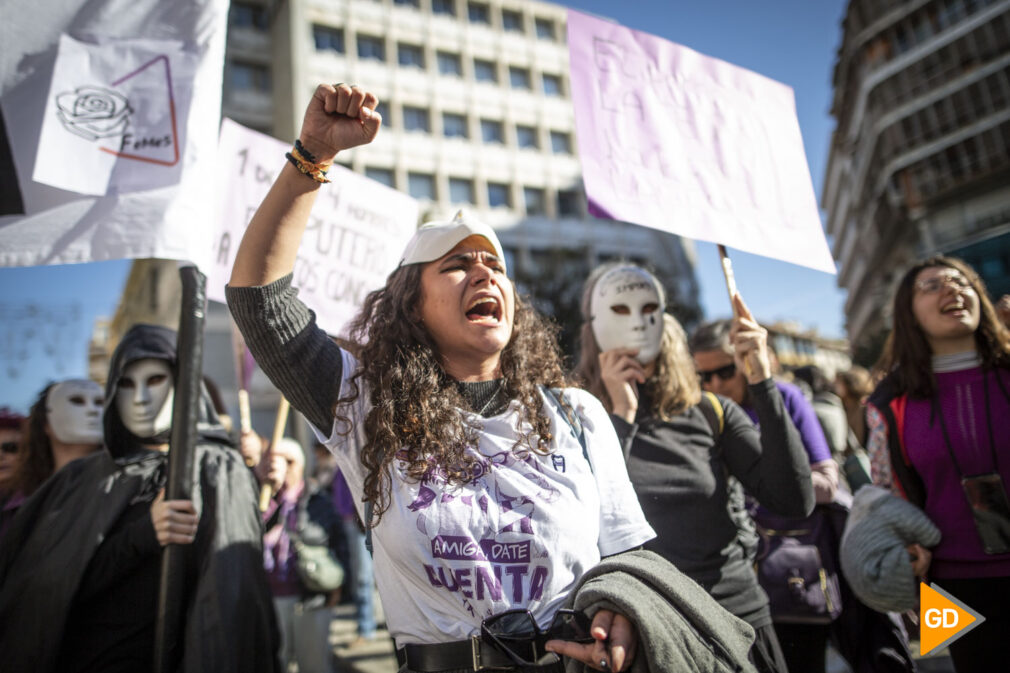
<point>108,139</point>
<point>355,236</point>
<point>677,141</point>
<point>112,113</point>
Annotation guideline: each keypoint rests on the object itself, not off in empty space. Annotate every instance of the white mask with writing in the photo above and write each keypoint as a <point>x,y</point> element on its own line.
<point>74,411</point>
<point>626,310</point>
<point>145,396</point>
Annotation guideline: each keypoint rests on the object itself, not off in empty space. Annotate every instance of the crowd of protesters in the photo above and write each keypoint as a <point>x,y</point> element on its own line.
<point>677,502</point>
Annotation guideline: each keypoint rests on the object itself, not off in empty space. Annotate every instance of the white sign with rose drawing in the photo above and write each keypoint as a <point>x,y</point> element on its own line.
<point>116,115</point>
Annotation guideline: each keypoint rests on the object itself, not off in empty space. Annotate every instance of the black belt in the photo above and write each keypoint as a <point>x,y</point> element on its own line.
<point>473,654</point>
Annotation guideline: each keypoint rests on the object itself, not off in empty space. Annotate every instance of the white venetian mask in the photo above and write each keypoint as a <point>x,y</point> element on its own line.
<point>626,311</point>
<point>74,411</point>
<point>145,396</point>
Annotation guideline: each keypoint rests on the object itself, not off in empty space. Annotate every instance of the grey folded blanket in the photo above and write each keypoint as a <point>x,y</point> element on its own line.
<point>680,627</point>
<point>873,555</point>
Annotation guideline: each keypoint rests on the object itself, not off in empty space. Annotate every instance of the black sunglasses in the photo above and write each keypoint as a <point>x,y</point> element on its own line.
<point>724,373</point>
<point>9,447</point>
<point>515,633</point>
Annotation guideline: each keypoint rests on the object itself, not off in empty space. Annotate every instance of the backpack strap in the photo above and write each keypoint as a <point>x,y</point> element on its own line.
<point>903,474</point>
<point>711,407</point>
<point>556,397</point>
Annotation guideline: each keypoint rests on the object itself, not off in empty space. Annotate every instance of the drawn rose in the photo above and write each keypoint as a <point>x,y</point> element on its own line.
<point>92,112</point>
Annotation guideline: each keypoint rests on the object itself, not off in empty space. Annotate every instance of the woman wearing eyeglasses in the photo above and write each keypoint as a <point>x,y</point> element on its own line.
<point>939,436</point>
<point>683,461</point>
<point>481,498</point>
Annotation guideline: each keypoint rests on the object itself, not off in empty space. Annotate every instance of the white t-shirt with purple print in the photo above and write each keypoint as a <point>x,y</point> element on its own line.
<point>519,536</point>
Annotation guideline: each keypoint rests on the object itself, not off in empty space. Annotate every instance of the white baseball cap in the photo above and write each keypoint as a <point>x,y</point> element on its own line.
<point>434,239</point>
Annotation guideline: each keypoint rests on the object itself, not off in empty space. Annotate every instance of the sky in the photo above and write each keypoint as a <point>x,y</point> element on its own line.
<point>47,313</point>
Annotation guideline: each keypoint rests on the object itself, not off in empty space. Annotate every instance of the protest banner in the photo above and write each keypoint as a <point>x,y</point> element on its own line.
<point>355,235</point>
<point>678,141</point>
<point>108,129</point>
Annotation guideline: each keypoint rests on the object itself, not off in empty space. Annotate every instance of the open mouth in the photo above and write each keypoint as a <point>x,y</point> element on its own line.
<point>956,307</point>
<point>484,310</point>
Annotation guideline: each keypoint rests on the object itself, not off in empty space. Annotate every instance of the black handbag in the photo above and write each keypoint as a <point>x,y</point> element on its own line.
<point>797,567</point>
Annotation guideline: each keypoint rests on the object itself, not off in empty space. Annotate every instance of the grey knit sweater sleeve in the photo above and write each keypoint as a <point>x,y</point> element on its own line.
<point>296,355</point>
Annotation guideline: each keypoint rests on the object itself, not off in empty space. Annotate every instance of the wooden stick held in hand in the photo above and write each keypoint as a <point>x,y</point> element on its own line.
<point>266,490</point>
<point>727,272</point>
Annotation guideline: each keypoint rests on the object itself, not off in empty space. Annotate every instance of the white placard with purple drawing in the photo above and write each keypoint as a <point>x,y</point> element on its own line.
<point>115,116</point>
<point>354,239</point>
<point>682,142</point>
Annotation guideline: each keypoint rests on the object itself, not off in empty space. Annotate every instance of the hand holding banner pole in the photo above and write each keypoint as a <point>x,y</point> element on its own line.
<point>266,490</point>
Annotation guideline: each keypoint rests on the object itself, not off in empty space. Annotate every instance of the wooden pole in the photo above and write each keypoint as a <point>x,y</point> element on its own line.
<point>266,491</point>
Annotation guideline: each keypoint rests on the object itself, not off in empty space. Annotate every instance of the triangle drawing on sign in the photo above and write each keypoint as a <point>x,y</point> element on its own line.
<point>942,618</point>
<point>170,101</point>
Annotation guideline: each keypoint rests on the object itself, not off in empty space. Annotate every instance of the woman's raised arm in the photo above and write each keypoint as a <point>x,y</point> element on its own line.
<point>337,118</point>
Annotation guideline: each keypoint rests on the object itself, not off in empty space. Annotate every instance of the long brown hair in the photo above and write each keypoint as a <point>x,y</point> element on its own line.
<point>38,463</point>
<point>673,387</point>
<point>908,356</point>
<point>415,416</point>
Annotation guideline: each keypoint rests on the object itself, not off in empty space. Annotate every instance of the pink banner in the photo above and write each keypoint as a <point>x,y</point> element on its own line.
<point>678,141</point>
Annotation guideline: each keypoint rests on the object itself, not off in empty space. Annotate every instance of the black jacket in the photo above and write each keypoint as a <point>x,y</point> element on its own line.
<point>85,535</point>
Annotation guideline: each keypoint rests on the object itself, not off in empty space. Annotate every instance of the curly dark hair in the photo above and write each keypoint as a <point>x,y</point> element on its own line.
<point>907,355</point>
<point>415,404</point>
<point>38,463</point>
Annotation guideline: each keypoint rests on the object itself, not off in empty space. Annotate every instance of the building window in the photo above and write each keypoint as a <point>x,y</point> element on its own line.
<point>545,28</point>
<point>526,136</point>
<point>498,195</point>
<point>328,39</point>
<point>485,71</point>
<point>479,12</point>
<point>552,84</point>
<point>519,77</point>
<point>534,198</point>
<point>387,116</point>
<point>416,119</point>
<point>568,203</point>
<point>243,15</point>
<point>371,47</point>
<point>454,125</point>
<point>446,7</point>
<point>450,64</point>
<point>249,77</point>
<point>383,175</point>
<point>421,186</point>
<point>460,190</point>
<point>410,55</point>
<point>491,131</point>
<point>416,4</point>
<point>561,142</point>
<point>512,21</point>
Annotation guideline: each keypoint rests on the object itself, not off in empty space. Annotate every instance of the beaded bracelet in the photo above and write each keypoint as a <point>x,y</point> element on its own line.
<point>306,163</point>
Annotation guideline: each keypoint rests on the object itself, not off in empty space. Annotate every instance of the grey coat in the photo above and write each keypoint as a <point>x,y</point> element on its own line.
<point>873,555</point>
<point>680,627</point>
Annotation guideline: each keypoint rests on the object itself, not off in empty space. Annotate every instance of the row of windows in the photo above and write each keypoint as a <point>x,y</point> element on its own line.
<point>249,15</point>
<point>450,64</point>
<point>457,125</point>
<point>462,191</point>
<point>959,110</point>
<point>981,155</point>
<point>918,27</point>
<point>480,13</point>
<point>987,42</point>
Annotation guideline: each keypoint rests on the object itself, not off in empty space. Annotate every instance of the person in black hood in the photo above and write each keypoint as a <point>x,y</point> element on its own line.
<point>79,567</point>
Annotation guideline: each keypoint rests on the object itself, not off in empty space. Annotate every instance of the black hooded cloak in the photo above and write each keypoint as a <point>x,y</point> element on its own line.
<point>79,566</point>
